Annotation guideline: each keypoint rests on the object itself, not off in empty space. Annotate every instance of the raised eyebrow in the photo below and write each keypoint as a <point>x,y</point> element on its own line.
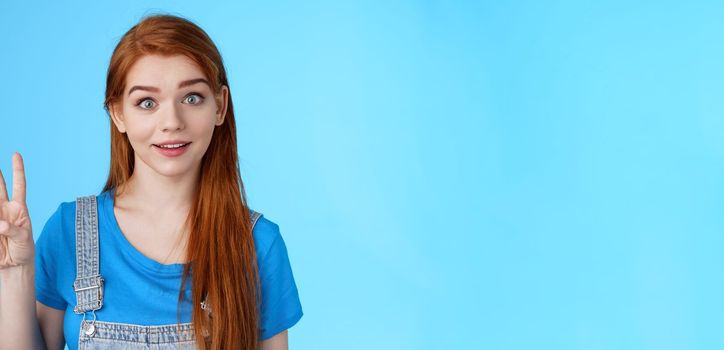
<point>182,84</point>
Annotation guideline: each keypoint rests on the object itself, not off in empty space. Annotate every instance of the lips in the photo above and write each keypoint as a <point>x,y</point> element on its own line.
<point>172,151</point>
<point>172,142</point>
<point>172,145</point>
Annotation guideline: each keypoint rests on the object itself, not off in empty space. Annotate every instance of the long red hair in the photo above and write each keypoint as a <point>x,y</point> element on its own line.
<point>221,254</point>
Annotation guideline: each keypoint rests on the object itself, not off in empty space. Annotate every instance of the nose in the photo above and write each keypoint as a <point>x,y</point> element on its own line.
<point>171,119</point>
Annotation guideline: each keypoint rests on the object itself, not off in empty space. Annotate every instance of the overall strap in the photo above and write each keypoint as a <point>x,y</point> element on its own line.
<point>254,218</point>
<point>88,284</point>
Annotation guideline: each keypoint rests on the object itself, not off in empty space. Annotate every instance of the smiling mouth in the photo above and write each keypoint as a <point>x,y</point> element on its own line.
<point>175,146</point>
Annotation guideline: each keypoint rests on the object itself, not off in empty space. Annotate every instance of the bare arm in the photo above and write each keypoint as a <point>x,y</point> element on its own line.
<point>19,325</point>
<point>277,342</point>
<point>51,326</point>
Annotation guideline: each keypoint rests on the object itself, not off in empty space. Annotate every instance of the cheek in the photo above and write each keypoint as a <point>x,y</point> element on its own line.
<point>201,125</point>
<point>139,132</point>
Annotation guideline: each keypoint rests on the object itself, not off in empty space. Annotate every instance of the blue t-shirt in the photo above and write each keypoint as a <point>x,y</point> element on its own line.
<point>140,290</point>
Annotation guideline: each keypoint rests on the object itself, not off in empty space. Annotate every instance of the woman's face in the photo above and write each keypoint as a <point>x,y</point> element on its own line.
<point>167,100</point>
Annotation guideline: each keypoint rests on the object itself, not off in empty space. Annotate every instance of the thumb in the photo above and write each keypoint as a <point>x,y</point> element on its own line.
<point>9,230</point>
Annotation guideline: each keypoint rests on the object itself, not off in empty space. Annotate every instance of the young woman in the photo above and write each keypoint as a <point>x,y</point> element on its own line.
<point>168,253</point>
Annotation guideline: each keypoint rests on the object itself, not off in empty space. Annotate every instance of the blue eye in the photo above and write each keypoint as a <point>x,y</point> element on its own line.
<point>194,98</point>
<point>143,103</point>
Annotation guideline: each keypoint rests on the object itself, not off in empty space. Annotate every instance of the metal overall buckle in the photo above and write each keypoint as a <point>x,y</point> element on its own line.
<point>92,288</point>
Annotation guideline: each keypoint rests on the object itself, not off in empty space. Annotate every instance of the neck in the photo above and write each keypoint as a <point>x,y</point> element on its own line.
<point>153,192</point>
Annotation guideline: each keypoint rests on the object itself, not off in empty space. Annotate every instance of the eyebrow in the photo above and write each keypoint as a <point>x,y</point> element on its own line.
<point>182,84</point>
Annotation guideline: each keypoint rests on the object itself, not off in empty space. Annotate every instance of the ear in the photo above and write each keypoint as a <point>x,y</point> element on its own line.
<point>117,117</point>
<point>222,102</point>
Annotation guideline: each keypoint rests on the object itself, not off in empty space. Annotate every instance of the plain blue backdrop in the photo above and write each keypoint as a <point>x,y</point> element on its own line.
<point>446,174</point>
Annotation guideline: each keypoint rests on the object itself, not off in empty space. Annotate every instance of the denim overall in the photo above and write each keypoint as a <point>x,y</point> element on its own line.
<point>88,286</point>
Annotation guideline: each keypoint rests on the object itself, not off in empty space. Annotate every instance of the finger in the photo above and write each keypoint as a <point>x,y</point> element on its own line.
<point>3,190</point>
<point>8,230</point>
<point>18,179</point>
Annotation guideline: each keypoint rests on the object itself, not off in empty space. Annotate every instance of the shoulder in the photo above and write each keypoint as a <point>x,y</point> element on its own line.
<point>266,233</point>
<point>62,221</point>
<point>280,304</point>
<point>67,208</point>
<point>63,216</point>
<point>56,241</point>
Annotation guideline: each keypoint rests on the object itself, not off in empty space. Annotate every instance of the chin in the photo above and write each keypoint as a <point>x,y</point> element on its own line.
<point>174,170</point>
<point>169,167</point>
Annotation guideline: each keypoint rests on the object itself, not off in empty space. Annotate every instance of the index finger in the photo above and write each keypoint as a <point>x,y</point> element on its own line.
<point>18,178</point>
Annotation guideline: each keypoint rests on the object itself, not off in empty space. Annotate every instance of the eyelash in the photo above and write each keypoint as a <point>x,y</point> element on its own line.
<point>202,98</point>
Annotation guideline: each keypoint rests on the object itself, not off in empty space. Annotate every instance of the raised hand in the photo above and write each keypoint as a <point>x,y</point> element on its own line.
<point>16,234</point>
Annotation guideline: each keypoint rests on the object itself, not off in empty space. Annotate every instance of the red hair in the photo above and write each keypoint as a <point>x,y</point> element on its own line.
<point>221,249</point>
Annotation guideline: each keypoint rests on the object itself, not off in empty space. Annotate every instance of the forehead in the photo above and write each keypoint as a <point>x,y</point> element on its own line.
<point>162,71</point>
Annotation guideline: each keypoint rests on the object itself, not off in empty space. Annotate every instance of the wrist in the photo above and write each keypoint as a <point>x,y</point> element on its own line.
<point>14,274</point>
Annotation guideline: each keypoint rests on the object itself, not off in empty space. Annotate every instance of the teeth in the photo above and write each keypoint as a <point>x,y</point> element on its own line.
<point>172,146</point>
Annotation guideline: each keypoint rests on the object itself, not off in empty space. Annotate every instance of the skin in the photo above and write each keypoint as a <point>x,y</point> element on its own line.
<point>156,197</point>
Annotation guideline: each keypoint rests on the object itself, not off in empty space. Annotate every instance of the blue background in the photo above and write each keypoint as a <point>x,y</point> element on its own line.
<point>479,175</point>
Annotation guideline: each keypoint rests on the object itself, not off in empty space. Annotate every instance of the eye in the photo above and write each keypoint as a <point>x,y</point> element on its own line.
<point>145,103</point>
<point>194,98</point>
